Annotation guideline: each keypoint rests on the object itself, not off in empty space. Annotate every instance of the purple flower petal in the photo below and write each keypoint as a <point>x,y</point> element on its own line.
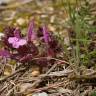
<point>16,42</point>
<point>15,45</point>
<point>22,42</point>
<point>11,40</point>
<point>46,34</point>
<point>4,53</point>
<point>31,34</point>
<point>17,33</point>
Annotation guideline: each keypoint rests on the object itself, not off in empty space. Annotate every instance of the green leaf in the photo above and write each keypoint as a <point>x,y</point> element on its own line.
<point>93,94</point>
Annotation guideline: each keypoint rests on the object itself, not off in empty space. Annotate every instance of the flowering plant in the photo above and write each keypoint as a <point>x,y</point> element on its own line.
<point>23,49</point>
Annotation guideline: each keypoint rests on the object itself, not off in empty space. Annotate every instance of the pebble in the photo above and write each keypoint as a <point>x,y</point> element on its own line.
<point>20,21</point>
<point>40,94</point>
<point>1,35</point>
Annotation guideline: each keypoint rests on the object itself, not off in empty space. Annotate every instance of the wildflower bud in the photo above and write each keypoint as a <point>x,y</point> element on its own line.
<point>31,34</point>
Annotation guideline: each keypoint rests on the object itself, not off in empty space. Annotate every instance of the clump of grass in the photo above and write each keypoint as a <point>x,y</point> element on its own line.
<point>80,18</point>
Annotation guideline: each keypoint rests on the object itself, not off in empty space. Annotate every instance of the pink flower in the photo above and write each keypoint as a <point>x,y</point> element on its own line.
<point>46,35</point>
<point>31,34</point>
<point>16,42</point>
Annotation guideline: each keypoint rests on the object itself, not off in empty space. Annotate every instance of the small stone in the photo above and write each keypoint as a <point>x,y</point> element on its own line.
<point>52,28</point>
<point>1,35</point>
<point>20,21</point>
<point>40,94</point>
<point>52,19</point>
<point>69,48</point>
<point>7,70</point>
<point>35,73</point>
<point>29,95</point>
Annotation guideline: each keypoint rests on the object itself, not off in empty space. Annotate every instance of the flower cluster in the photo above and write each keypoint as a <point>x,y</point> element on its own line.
<point>23,49</point>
